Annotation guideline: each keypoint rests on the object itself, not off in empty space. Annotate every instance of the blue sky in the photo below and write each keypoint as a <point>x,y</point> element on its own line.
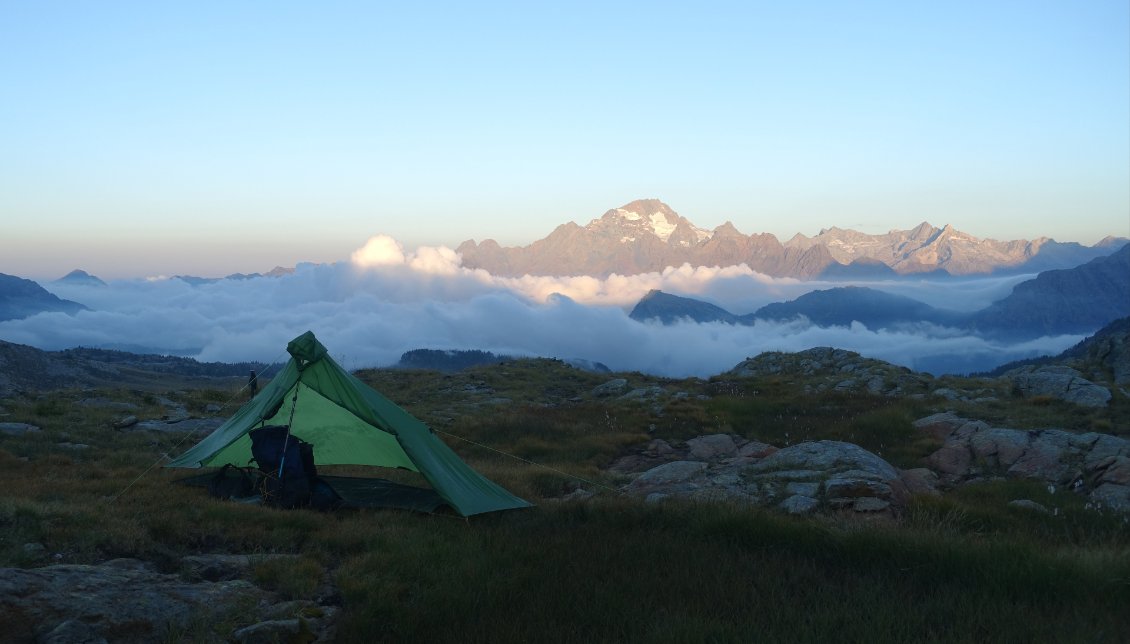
<point>208,138</point>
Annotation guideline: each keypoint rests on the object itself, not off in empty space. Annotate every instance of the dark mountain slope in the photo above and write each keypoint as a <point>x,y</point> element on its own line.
<point>1077,300</point>
<point>669,309</point>
<point>843,305</point>
<point>21,298</point>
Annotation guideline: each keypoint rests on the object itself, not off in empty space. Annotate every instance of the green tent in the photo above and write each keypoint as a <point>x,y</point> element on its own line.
<point>349,424</point>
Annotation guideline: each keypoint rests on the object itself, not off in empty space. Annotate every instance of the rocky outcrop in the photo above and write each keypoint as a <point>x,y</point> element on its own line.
<point>830,369</point>
<point>1061,382</point>
<point>1097,465</point>
<point>830,476</point>
<point>802,478</point>
<point>125,600</point>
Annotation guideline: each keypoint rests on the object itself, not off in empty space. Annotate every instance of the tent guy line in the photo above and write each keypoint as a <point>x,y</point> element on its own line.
<point>527,461</point>
<point>176,446</point>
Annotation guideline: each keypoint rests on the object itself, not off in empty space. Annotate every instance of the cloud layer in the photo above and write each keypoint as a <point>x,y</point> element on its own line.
<point>385,301</point>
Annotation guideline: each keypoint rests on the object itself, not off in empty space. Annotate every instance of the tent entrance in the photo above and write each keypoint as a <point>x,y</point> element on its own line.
<point>355,491</point>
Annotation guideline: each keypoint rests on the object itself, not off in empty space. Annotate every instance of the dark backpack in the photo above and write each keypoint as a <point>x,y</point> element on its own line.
<point>273,446</point>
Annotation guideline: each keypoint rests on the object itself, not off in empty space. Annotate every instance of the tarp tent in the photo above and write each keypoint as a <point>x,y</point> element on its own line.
<point>349,424</point>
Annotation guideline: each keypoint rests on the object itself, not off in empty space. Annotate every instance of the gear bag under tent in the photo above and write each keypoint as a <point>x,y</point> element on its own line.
<point>348,423</point>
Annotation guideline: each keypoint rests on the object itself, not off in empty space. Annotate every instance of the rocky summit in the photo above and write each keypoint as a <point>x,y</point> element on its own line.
<point>647,235</point>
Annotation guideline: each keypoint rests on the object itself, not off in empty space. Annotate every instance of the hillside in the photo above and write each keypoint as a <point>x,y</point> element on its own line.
<point>850,508</point>
<point>1078,300</point>
<point>24,368</point>
<point>873,308</point>
<point>21,298</point>
<point>669,309</point>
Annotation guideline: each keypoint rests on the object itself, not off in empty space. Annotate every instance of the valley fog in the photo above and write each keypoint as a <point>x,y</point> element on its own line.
<point>385,301</point>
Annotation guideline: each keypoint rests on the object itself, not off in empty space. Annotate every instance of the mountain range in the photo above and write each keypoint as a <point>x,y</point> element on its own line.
<point>647,236</point>
<point>1071,301</point>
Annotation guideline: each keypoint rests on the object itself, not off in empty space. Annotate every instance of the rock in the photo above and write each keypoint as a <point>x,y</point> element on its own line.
<point>117,604</point>
<point>221,567</point>
<point>1043,460</point>
<point>920,480</point>
<point>1091,463</point>
<point>1114,497</point>
<point>73,446</point>
<point>17,429</point>
<point>34,550</point>
<point>106,403</point>
<point>826,455</point>
<point>803,488</point>
<point>212,408</point>
<point>755,449</point>
<point>841,486</point>
<point>713,446</point>
<point>273,631</point>
<point>658,447</point>
<point>643,393</point>
<point>1000,446</point>
<point>670,473</point>
<point>939,426</point>
<point>73,631</point>
<point>204,425</point>
<point>579,494</point>
<point>1060,382</point>
<point>1116,471</point>
<point>128,421</point>
<point>870,504</point>
<point>610,388</point>
<point>1028,504</point>
<point>799,504</point>
<point>951,462</point>
<point>1105,447</point>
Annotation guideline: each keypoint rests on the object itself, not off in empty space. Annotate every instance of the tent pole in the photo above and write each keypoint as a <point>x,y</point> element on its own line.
<point>286,439</point>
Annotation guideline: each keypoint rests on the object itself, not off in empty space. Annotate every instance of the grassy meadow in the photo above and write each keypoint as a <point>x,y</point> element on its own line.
<point>962,568</point>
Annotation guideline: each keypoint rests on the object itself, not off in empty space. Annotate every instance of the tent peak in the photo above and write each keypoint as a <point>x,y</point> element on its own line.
<point>306,350</point>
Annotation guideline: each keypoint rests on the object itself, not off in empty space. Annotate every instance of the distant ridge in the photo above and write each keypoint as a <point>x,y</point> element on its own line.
<point>21,298</point>
<point>1072,301</point>
<point>669,309</point>
<point>78,276</point>
<point>277,271</point>
<point>1078,300</point>
<point>647,235</point>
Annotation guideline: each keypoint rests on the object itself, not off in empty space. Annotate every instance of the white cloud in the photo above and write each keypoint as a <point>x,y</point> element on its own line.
<point>380,250</point>
<point>368,311</point>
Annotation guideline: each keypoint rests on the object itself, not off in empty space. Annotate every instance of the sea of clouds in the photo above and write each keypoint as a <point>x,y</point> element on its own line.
<point>384,301</point>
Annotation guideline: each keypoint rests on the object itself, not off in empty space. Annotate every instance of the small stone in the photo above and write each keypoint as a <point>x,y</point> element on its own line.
<point>17,429</point>
<point>213,408</point>
<point>128,421</point>
<point>799,504</point>
<point>1028,504</point>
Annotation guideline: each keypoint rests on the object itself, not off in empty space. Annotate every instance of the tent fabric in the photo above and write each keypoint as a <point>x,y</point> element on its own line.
<point>349,424</point>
